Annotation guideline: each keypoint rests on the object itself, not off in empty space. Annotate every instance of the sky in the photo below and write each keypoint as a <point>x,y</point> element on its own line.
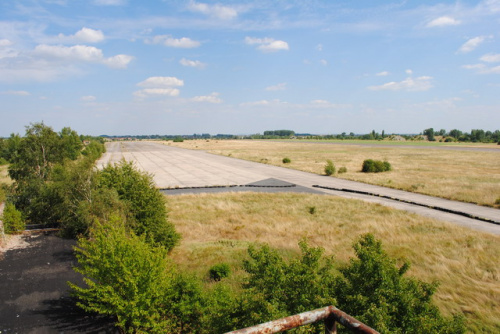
<point>130,67</point>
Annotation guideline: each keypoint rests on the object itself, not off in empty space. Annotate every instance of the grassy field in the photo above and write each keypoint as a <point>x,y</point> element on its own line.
<point>4,176</point>
<point>468,176</point>
<point>219,227</point>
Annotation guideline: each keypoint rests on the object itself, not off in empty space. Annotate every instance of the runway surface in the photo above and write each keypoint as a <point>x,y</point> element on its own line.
<point>181,170</point>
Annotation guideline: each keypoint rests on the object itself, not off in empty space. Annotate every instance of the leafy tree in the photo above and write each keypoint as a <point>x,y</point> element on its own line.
<point>12,219</point>
<point>374,290</point>
<point>124,277</point>
<point>146,204</point>
<point>430,134</point>
<point>71,143</point>
<point>276,288</point>
<point>455,133</point>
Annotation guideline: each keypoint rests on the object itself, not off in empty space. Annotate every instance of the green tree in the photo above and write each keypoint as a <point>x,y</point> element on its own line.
<point>146,204</point>
<point>374,290</point>
<point>430,134</point>
<point>124,277</point>
<point>71,143</point>
<point>12,219</point>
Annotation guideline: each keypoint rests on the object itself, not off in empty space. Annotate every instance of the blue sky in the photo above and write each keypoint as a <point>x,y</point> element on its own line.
<point>181,67</point>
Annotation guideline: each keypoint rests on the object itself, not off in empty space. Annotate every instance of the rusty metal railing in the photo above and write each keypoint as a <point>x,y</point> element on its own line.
<point>330,315</point>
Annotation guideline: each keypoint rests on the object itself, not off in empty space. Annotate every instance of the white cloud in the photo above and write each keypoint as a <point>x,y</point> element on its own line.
<point>319,47</point>
<point>323,62</point>
<point>263,103</point>
<point>443,21</point>
<point>88,98</point>
<point>217,10</point>
<point>280,86</point>
<point>491,58</point>
<point>81,53</point>
<point>422,83</point>
<point>192,63</point>
<point>86,35</point>
<point>161,82</point>
<point>212,98</point>
<point>148,92</point>
<point>167,40</point>
<point>382,74</point>
<point>16,93</point>
<point>409,72</point>
<point>471,44</point>
<point>483,69</point>
<point>5,42</point>
<point>267,44</point>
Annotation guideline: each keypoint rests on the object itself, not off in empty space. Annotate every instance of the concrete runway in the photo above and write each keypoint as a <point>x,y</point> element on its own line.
<point>180,168</point>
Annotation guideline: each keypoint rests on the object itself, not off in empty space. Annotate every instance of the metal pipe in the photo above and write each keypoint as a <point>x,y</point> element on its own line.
<point>330,314</point>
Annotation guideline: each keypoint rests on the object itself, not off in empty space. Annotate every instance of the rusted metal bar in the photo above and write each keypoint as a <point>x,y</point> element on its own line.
<point>330,314</point>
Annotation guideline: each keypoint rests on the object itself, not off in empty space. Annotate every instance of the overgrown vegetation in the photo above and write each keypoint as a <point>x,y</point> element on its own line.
<point>149,295</point>
<point>375,166</point>
<point>286,160</point>
<point>12,220</point>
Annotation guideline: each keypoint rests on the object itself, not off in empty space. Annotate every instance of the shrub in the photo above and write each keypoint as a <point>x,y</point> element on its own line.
<point>145,202</point>
<point>329,168</point>
<point>312,210</point>
<point>12,219</point>
<point>125,277</point>
<point>342,170</point>
<point>178,140</point>
<point>374,290</point>
<point>375,166</point>
<point>286,160</point>
<point>219,271</point>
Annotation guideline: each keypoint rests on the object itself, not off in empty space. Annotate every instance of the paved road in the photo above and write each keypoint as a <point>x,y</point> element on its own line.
<point>175,167</point>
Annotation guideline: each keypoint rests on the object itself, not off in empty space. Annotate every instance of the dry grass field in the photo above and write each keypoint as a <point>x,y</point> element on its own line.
<point>219,227</point>
<point>4,176</point>
<point>468,176</point>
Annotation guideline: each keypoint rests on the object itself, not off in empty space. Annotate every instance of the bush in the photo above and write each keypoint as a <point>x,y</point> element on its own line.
<point>329,168</point>
<point>286,160</point>
<point>12,220</point>
<point>125,277</point>
<point>178,140</point>
<point>375,166</point>
<point>342,170</point>
<point>219,271</point>
<point>146,204</point>
<point>374,290</point>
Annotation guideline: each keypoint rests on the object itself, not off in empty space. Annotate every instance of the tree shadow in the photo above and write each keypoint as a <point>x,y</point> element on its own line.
<point>64,315</point>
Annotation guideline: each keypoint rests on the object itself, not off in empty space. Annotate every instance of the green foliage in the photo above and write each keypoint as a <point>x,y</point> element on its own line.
<point>312,210</point>
<point>178,140</point>
<point>374,290</point>
<point>12,219</point>
<point>329,168</point>
<point>219,271</point>
<point>342,170</point>
<point>277,288</point>
<point>430,134</point>
<point>128,278</point>
<point>375,166</point>
<point>124,277</point>
<point>286,160</point>
<point>146,204</point>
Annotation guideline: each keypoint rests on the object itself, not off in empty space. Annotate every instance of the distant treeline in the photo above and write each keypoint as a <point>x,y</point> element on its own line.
<point>455,135</point>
